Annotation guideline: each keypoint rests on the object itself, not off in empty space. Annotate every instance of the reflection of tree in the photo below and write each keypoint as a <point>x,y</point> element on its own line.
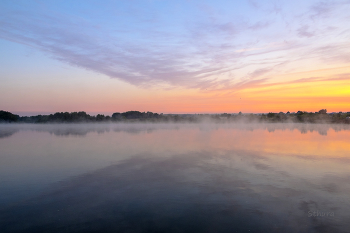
<point>303,130</point>
<point>4,133</point>
<point>322,132</point>
<point>84,129</point>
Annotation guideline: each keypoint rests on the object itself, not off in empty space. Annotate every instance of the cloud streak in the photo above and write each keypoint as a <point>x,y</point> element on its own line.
<point>212,52</point>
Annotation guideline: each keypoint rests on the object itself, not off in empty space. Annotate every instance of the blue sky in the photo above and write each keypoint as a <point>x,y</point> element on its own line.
<point>159,44</point>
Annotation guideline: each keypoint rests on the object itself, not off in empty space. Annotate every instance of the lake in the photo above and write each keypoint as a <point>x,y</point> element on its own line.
<point>174,178</point>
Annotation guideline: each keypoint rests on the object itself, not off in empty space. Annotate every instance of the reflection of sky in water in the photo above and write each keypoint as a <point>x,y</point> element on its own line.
<point>174,178</point>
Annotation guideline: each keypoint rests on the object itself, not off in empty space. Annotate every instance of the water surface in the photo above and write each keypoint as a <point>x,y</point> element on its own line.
<point>174,178</point>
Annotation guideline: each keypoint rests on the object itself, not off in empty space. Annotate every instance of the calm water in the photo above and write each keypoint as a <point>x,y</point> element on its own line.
<point>174,178</point>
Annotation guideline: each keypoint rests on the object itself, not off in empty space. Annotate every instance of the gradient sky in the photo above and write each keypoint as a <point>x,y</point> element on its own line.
<point>168,56</point>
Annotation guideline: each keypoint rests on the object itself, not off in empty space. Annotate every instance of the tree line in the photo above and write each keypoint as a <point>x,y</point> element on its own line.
<point>65,117</point>
<point>135,116</point>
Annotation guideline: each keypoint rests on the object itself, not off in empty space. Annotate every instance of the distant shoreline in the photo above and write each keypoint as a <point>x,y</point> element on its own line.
<point>135,116</point>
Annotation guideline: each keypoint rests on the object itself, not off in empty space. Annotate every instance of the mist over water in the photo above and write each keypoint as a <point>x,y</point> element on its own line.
<point>175,178</point>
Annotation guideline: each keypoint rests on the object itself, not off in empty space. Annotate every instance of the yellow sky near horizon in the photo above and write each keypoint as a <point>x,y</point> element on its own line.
<point>308,91</point>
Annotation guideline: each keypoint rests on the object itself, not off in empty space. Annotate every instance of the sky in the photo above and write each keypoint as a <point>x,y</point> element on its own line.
<point>168,56</point>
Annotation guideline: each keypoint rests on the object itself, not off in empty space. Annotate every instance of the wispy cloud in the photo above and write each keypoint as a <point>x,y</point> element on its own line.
<point>325,8</point>
<point>304,32</point>
<point>213,52</point>
<point>259,72</point>
<point>262,83</point>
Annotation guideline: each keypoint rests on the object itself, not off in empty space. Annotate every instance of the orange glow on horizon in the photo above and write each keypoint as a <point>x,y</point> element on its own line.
<point>307,91</point>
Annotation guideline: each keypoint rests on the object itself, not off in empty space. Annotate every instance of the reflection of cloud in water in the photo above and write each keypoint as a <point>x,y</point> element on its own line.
<point>208,191</point>
<point>135,128</point>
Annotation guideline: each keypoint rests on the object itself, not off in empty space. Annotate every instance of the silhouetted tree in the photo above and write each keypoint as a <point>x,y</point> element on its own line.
<point>8,117</point>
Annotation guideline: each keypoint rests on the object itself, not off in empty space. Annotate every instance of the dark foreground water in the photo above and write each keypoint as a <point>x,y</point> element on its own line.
<point>174,178</point>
